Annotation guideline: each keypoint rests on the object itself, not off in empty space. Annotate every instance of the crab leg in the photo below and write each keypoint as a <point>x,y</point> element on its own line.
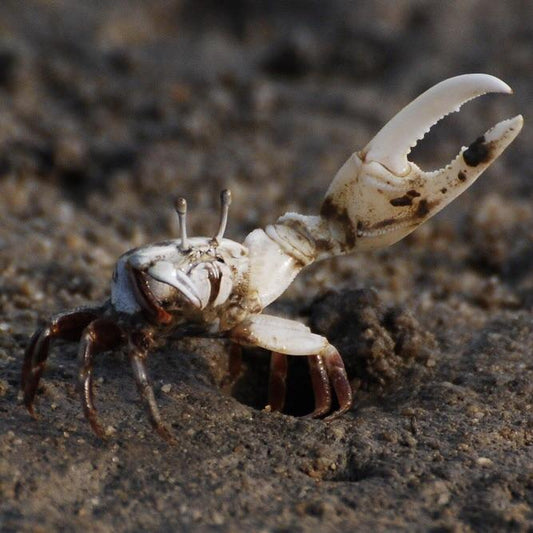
<point>138,354</point>
<point>67,326</point>
<point>98,336</point>
<point>277,384</point>
<point>338,379</point>
<point>235,362</point>
<point>292,338</point>
<point>321,385</point>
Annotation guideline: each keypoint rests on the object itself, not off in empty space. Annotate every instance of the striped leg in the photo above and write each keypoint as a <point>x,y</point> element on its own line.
<point>67,326</point>
<point>321,385</point>
<point>138,353</point>
<point>286,337</point>
<point>98,336</point>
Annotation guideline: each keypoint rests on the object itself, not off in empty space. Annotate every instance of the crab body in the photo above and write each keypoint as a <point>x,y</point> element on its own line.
<point>205,285</point>
<point>217,287</point>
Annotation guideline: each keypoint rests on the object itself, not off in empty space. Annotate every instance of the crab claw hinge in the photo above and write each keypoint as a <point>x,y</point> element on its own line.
<point>379,196</point>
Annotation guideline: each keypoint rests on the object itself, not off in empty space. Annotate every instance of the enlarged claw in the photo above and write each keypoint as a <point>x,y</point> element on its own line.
<point>394,141</point>
<point>378,196</point>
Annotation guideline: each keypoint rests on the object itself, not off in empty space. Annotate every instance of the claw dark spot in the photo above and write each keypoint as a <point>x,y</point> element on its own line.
<point>402,200</point>
<point>461,176</point>
<point>333,212</point>
<point>385,223</point>
<point>406,199</point>
<point>423,208</point>
<point>444,190</point>
<point>478,152</point>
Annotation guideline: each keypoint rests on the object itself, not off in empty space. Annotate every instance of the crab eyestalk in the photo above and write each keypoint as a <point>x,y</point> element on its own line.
<point>225,202</point>
<point>181,210</point>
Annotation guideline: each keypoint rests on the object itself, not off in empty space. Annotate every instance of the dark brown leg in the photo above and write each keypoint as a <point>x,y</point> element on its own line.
<point>321,385</point>
<point>234,368</point>
<point>339,380</point>
<point>98,336</point>
<point>326,367</point>
<point>67,326</point>
<point>235,362</point>
<point>277,385</point>
<point>138,354</point>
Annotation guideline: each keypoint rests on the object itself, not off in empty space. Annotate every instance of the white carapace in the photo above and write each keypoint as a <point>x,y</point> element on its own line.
<point>377,197</point>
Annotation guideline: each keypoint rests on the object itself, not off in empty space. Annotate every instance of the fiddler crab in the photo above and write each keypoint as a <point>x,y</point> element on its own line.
<point>216,287</point>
